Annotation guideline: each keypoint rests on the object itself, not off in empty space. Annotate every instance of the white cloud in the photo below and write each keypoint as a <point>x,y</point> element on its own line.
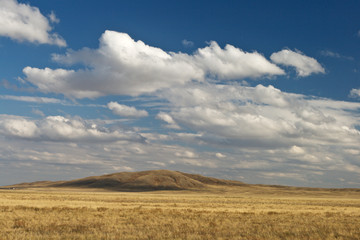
<point>352,151</point>
<point>233,63</point>
<point>186,154</point>
<point>328,53</point>
<point>235,128</point>
<point>257,128</point>
<point>353,168</point>
<point>122,66</point>
<point>261,117</point>
<point>303,64</point>
<point>23,22</point>
<point>53,18</point>
<point>270,95</point>
<point>355,93</point>
<point>59,128</point>
<point>18,127</point>
<point>167,118</point>
<point>92,158</point>
<point>242,132</point>
<point>38,112</point>
<point>220,155</point>
<point>331,104</point>
<point>31,99</point>
<point>297,150</point>
<point>126,111</point>
<point>187,43</point>
<point>283,175</point>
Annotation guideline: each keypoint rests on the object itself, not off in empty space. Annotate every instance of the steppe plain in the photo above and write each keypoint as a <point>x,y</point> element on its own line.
<point>226,210</point>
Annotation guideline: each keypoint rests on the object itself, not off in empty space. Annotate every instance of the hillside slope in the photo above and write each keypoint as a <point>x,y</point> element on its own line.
<point>139,181</point>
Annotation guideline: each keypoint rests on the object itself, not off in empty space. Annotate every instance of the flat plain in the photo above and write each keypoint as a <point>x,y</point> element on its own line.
<point>232,212</point>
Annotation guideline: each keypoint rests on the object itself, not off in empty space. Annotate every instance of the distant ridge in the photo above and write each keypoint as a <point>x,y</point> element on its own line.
<point>139,181</point>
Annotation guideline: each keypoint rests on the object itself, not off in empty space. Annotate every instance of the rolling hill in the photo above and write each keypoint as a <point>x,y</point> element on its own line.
<point>155,180</point>
<point>138,181</point>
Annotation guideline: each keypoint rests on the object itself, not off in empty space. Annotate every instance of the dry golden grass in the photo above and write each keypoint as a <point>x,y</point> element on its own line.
<point>231,213</point>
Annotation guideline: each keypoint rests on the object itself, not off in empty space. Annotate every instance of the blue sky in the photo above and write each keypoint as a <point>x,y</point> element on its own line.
<point>256,91</point>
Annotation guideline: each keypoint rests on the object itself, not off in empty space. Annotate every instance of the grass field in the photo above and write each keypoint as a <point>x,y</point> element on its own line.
<point>256,213</point>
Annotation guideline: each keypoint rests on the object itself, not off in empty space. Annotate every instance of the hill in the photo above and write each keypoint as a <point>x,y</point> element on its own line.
<point>138,181</point>
<point>174,180</point>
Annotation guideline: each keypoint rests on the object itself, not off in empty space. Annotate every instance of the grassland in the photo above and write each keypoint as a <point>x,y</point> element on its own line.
<point>255,212</point>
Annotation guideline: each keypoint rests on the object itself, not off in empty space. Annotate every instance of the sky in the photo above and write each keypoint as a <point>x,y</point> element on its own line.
<point>264,92</point>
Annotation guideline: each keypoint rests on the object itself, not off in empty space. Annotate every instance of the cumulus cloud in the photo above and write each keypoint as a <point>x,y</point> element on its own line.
<point>168,119</point>
<point>264,129</point>
<point>232,130</point>
<point>18,127</point>
<point>120,66</point>
<point>233,63</point>
<point>23,22</point>
<point>270,95</point>
<point>303,64</point>
<point>124,66</point>
<point>261,117</point>
<point>126,111</point>
<point>355,93</point>
<point>259,131</point>
<point>59,128</point>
